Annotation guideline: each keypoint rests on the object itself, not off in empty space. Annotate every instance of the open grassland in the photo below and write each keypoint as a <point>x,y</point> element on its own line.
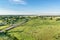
<point>3,27</point>
<point>35,29</point>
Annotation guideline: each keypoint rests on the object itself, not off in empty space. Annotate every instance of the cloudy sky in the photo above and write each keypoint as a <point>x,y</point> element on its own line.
<point>29,7</point>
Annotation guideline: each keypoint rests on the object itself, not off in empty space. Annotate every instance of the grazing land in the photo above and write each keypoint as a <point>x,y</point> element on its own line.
<point>30,27</point>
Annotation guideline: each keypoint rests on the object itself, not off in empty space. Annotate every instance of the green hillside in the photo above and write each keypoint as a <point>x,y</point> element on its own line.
<point>36,28</point>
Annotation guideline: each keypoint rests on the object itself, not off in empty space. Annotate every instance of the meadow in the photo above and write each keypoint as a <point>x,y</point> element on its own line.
<point>36,28</point>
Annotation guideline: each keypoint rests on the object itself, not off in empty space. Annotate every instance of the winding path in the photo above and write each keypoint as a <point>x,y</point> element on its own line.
<point>14,26</point>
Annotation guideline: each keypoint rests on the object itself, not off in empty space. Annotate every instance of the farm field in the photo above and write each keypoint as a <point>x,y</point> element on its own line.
<point>35,28</point>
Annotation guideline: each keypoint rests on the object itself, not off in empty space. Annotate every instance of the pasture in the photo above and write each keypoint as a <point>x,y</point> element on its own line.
<point>35,29</point>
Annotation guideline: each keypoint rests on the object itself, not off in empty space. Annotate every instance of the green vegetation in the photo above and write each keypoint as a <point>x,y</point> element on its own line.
<point>35,28</point>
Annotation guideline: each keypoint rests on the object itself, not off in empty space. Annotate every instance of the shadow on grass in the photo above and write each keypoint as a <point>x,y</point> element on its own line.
<point>15,31</point>
<point>7,36</point>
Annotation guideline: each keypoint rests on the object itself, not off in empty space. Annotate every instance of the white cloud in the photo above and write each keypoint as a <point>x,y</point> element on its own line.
<point>10,12</point>
<point>18,1</point>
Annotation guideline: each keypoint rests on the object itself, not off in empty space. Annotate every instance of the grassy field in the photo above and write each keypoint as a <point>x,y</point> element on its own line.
<point>35,29</point>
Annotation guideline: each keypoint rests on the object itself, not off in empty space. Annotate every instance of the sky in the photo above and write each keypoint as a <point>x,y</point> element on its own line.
<point>29,7</point>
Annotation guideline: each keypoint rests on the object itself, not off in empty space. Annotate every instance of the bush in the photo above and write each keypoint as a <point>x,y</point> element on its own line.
<point>58,19</point>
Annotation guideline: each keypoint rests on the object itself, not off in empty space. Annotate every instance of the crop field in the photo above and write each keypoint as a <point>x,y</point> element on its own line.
<point>30,28</point>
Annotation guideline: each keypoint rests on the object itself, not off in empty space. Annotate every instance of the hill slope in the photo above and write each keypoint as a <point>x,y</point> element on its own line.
<point>35,29</point>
